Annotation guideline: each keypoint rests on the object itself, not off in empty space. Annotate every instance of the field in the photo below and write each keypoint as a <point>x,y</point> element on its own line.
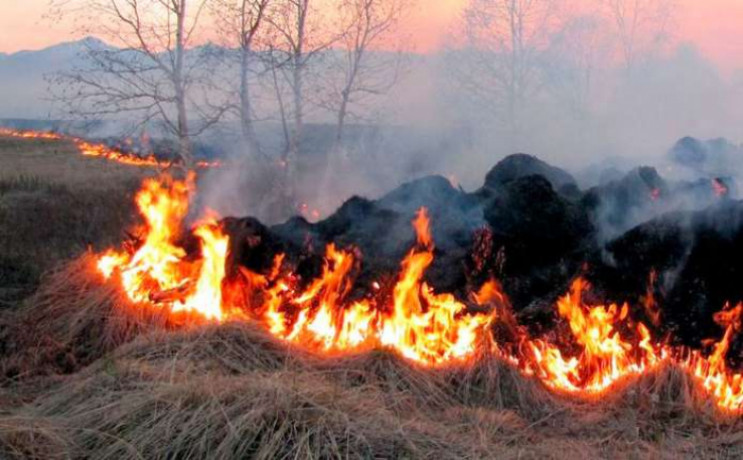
<point>84,378</point>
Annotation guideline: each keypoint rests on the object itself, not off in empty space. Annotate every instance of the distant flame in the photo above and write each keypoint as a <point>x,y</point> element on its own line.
<point>308,213</point>
<point>91,149</point>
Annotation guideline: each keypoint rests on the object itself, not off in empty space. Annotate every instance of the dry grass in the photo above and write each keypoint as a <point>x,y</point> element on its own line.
<point>60,163</point>
<point>86,375</point>
<point>136,387</point>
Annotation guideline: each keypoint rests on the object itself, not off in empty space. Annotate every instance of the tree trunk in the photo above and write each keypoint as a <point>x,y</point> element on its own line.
<point>335,155</point>
<point>184,140</point>
<point>292,153</point>
<point>341,123</point>
<point>246,110</point>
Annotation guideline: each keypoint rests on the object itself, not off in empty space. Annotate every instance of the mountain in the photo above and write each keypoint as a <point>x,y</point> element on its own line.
<point>23,85</point>
<point>25,75</point>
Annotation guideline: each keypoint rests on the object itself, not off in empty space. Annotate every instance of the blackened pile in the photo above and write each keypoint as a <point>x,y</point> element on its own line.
<point>533,229</point>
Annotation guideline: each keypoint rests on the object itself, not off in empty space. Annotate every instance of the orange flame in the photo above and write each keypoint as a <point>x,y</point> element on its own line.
<point>419,324</point>
<point>30,134</point>
<point>90,149</point>
<point>432,329</point>
<point>158,272</point>
<point>604,357</point>
<point>649,302</point>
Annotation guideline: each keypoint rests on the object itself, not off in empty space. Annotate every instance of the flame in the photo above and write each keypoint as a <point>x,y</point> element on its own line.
<point>158,272</point>
<point>652,309</point>
<point>602,344</point>
<point>206,298</point>
<point>724,386</point>
<point>604,358</point>
<point>90,149</point>
<point>47,135</point>
<point>423,326</point>
<point>312,214</point>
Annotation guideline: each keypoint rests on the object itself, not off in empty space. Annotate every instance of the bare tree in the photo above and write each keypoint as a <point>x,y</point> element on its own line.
<point>148,74</point>
<point>579,53</point>
<point>300,34</point>
<point>506,41</point>
<point>366,24</point>
<point>241,22</point>
<point>365,65</point>
<point>641,26</point>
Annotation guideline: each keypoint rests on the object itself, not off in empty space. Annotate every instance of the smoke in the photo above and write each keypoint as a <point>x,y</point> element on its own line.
<point>431,124</point>
<point>584,110</point>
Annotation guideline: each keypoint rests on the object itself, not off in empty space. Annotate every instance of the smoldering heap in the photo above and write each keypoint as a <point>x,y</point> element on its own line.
<point>533,229</point>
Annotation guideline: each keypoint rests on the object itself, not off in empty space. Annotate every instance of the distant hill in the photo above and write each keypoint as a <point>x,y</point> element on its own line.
<point>23,88</point>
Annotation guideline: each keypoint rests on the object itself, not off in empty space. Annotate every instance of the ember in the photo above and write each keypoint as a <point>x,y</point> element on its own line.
<point>426,327</point>
<point>719,187</point>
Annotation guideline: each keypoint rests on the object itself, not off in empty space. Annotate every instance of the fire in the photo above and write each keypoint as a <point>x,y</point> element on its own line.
<point>206,298</point>
<point>648,300</point>
<point>725,387</point>
<point>157,272</point>
<point>30,134</point>
<point>100,150</point>
<point>309,214</point>
<point>419,324</point>
<point>425,326</point>
<point>90,149</point>
<point>604,357</point>
<point>602,345</point>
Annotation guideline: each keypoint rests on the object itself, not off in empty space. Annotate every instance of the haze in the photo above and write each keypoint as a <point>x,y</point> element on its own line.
<point>714,26</point>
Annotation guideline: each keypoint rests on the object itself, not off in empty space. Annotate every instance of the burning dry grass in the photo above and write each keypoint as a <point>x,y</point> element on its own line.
<point>139,388</point>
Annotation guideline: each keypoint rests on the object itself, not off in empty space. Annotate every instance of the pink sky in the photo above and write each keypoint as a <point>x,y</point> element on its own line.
<point>715,26</point>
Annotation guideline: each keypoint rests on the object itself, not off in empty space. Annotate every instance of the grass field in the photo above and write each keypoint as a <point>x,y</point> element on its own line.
<point>54,204</point>
<point>85,377</point>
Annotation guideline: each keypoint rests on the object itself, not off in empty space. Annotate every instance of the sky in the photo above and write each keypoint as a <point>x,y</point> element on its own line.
<point>714,26</point>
